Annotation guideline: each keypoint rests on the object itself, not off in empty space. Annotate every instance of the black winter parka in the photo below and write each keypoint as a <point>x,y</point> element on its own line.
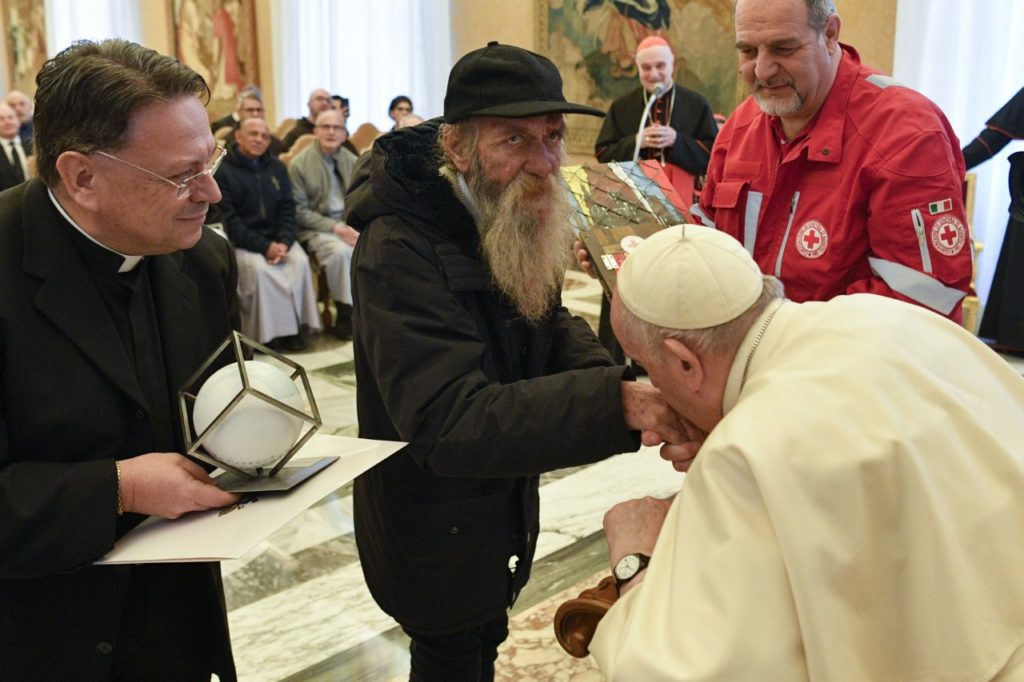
<point>486,401</point>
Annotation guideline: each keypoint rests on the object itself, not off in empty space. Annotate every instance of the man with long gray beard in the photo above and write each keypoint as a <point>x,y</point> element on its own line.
<point>463,349</point>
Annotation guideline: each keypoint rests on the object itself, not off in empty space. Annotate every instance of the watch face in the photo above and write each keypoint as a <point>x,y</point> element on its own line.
<point>627,567</point>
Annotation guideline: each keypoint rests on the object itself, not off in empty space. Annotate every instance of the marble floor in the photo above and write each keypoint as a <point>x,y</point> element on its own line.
<point>298,606</point>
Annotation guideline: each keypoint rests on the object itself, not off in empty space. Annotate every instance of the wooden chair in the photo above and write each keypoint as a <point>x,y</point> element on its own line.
<point>284,127</point>
<point>223,133</point>
<point>321,290</point>
<point>301,143</point>
<point>362,139</point>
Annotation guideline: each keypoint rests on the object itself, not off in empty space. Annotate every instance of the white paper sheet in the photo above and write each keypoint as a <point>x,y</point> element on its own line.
<point>229,533</point>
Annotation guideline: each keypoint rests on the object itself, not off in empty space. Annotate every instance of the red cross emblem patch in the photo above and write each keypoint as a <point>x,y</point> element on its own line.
<point>812,239</point>
<point>948,235</point>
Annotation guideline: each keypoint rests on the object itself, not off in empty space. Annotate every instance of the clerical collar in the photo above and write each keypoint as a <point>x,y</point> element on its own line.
<point>130,262</point>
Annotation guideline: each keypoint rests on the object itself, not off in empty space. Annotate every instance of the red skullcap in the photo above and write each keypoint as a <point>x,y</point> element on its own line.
<point>652,41</point>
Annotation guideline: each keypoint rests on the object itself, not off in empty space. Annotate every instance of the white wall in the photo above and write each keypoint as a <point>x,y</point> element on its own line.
<point>968,57</point>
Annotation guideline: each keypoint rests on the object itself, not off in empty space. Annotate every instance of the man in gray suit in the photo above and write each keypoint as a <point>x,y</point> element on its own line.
<point>320,174</point>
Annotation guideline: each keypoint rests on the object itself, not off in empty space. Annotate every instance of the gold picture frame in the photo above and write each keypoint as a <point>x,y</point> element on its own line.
<point>25,23</point>
<point>217,38</point>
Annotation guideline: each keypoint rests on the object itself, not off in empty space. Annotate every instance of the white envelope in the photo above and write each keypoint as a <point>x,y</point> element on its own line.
<point>229,533</point>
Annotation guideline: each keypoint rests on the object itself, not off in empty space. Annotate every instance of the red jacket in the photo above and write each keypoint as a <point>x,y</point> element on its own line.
<point>867,198</point>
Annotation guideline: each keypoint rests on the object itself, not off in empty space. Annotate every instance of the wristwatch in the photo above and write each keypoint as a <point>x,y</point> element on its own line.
<point>628,566</point>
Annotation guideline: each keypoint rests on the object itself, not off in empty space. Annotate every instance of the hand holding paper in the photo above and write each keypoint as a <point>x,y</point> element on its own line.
<point>168,484</point>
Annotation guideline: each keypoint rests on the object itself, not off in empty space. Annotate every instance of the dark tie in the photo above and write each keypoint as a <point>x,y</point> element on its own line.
<point>19,174</point>
<point>337,172</point>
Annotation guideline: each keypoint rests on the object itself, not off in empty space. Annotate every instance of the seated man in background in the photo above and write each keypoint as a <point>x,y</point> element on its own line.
<point>320,174</point>
<point>856,511</point>
<point>22,105</point>
<point>680,127</point>
<point>275,287</point>
<point>13,164</point>
<point>244,108</point>
<point>339,103</point>
<point>319,101</point>
<point>249,105</point>
<point>399,107</point>
<point>835,177</point>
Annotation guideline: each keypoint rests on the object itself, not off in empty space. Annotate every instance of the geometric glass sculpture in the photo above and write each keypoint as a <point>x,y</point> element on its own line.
<point>248,415</point>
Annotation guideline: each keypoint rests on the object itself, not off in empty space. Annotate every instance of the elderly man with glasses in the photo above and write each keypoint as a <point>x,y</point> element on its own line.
<point>249,105</point>
<point>112,293</point>
<point>319,102</point>
<point>320,174</point>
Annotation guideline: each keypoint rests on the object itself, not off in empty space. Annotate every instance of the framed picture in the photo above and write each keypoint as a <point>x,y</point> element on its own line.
<point>217,38</point>
<point>593,44</point>
<point>25,21</point>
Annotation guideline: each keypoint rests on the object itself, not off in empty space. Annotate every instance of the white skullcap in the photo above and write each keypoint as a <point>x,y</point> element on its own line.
<point>689,277</point>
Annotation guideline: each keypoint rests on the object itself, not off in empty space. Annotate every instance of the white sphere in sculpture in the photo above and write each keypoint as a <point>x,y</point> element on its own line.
<point>254,433</point>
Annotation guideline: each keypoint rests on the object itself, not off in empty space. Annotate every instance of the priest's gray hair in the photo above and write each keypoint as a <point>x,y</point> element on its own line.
<point>719,340</point>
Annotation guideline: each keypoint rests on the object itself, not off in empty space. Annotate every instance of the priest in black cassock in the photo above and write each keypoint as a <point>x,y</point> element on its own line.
<point>112,293</point>
<point>1003,320</point>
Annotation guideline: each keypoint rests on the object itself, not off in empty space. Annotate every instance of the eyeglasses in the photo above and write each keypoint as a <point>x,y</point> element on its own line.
<point>332,128</point>
<point>185,186</point>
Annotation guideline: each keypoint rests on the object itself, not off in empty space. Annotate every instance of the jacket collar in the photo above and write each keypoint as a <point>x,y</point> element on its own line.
<point>823,137</point>
<point>402,177</point>
<point>69,299</point>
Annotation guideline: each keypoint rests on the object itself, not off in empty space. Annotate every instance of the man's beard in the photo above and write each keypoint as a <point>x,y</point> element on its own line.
<point>774,106</point>
<point>525,237</point>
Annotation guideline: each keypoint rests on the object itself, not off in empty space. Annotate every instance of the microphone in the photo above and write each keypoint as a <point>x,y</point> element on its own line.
<point>658,89</point>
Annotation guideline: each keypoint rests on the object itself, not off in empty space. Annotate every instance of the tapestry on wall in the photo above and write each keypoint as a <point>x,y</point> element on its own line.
<point>593,44</point>
<point>217,38</point>
<point>26,42</point>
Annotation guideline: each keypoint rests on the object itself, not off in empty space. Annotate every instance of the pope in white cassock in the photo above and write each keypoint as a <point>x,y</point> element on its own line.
<point>856,511</point>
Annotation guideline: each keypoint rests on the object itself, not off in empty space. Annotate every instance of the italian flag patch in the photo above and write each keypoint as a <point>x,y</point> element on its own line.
<point>937,207</point>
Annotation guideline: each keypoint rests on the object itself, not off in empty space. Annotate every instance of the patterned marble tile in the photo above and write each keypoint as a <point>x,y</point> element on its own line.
<point>532,654</point>
<point>316,605</point>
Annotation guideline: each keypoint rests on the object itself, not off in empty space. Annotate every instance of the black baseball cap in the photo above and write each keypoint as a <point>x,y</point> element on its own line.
<point>508,81</point>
